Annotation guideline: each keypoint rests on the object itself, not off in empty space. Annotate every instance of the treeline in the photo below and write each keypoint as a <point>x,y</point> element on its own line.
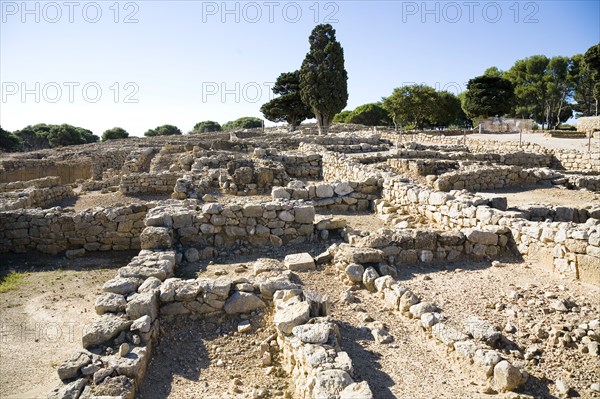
<point>551,90</point>
<point>547,90</point>
<point>43,136</point>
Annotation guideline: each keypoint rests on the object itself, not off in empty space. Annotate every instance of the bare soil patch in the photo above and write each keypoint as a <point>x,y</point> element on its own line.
<point>208,358</point>
<point>555,143</point>
<point>536,194</point>
<point>94,199</point>
<point>41,321</point>
<point>519,293</point>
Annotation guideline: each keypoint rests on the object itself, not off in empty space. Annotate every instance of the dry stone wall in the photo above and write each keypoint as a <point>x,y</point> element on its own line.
<point>33,193</point>
<point>412,246</point>
<point>119,343</point>
<point>111,159</point>
<point>30,169</point>
<point>311,354</point>
<point>43,182</point>
<point>52,231</point>
<point>340,167</point>
<point>336,196</point>
<point>472,341</point>
<point>455,210</point>
<point>562,159</point>
<point>591,183</point>
<point>307,166</point>
<point>478,177</point>
<point>588,124</point>
<point>138,161</point>
<point>148,183</point>
<point>458,210</point>
<point>216,229</point>
<point>461,153</point>
<point>422,167</point>
<point>34,197</point>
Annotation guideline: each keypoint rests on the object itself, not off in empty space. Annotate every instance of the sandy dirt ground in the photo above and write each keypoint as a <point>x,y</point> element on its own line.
<point>539,138</point>
<point>414,365</point>
<point>41,321</point>
<point>536,194</point>
<point>94,199</point>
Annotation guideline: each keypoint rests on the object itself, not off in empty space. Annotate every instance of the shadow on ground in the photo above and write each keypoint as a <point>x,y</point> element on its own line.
<point>180,351</point>
<point>37,262</point>
<point>408,272</point>
<point>366,363</point>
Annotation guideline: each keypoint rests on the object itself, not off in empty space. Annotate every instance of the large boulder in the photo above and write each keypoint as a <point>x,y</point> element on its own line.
<point>299,262</point>
<point>507,377</point>
<point>103,329</point>
<point>143,304</point>
<point>110,302</point>
<point>304,214</point>
<point>324,190</point>
<point>317,333</point>
<point>330,383</point>
<point>291,316</point>
<point>70,368</point>
<point>349,254</point>
<point>481,237</point>
<point>156,238</point>
<point>243,302</point>
<point>482,330</point>
<point>357,390</point>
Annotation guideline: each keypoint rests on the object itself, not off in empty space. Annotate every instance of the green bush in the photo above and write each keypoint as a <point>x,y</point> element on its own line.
<point>369,115</point>
<point>114,134</point>
<point>206,126</point>
<point>8,141</point>
<point>566,126</point>
<point>164,130</point>
<point>341,117</point>
<point>245,122</point>
<point>42,136</point>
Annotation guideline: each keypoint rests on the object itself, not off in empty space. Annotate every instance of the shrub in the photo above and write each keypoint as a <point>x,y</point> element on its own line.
<point>206,126</point>
<point>245,122</point>
<point>114,134</point>
<point>8,141</point>
<point>164,130</point>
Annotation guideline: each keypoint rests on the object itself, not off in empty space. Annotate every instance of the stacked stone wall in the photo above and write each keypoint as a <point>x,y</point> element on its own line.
<point>52,231</point>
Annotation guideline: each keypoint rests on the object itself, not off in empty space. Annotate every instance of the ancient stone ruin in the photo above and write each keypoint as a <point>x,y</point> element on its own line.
<point>284,203</point>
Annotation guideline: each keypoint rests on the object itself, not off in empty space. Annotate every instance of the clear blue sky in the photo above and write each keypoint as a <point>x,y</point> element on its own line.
<point>188,61</point>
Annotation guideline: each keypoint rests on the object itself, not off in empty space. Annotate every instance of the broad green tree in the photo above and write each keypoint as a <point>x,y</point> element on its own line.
<point>206,126</point>
<point>245,122</point>
<point>341,117</point>
<point>493,71</point>
<point>560,86</point>
<point>164,130</point>
<point>413,104</point>
<point>114,134</point>
<point>488,96</point>
<point>585,103</point>
<point>449,111</point>
<point>288,107</point>
<point>369,115</point>
<point>549,89</point>
<point>323,77</point>
<point>87,135</point>
<point>527,77</point>
<point>42,136</point>
<point>592,62</point>
<point>34,137</point>
<point>8,141</point>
